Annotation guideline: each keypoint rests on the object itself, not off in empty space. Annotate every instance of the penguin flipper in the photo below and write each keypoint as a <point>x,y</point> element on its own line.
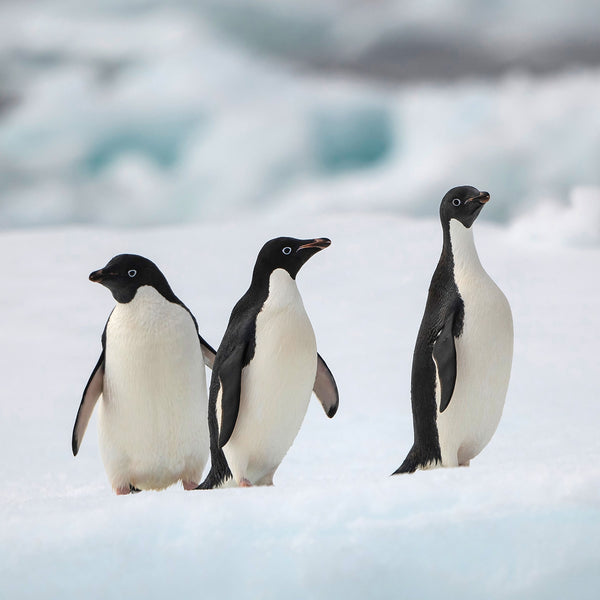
<point>230,376</point>
<point>92,392</point>
<point>444,355</point>
<point>208,352</point>
<point>325,388</point>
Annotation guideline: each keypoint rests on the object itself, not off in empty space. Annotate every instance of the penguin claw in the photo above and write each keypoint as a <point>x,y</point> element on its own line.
<point>189,485</point>
<point>245,482</point>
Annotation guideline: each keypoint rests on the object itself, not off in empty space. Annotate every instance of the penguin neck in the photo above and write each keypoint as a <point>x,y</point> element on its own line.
<point>283,290</point>
<point>146,298</point>
<point>148,313</point>
<point>460,245</point>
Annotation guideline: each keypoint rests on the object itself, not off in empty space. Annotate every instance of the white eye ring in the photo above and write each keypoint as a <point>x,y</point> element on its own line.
<point>456,202</point>
<point>287,250</point>
<point>132,272</point>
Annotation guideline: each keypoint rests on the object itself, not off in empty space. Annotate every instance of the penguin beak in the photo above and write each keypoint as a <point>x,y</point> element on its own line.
<point>482,198</point>
<point>316,244</point>
<point>100,275</point>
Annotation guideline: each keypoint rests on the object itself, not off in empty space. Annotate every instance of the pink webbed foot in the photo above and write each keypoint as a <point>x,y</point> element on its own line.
<point>189,485</point>
<point>244,483</point>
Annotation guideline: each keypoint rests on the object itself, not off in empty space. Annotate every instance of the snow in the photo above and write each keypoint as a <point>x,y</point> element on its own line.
<point>522,522</point>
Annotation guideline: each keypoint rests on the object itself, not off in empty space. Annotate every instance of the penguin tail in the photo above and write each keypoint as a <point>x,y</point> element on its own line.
<point>219,473</point>
<point>415,460</point>
<point>212,481</point>
<point>409,465</point>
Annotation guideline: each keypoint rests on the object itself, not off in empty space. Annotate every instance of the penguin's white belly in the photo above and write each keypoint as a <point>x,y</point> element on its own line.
<point>153,415</point>
<point>484,358</point>
<point>276,386</point>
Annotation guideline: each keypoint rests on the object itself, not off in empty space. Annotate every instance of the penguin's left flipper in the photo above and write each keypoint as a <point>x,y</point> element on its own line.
<point>444,355</point>
<point>230,377</point>
<point>325,388</point>
<point>208,352</point>
<point>92,392</point>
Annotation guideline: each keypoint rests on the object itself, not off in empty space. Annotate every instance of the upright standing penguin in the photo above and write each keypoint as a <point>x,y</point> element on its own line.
<point>265,370</point>
<point>463,354</point>
<point>152,419</point>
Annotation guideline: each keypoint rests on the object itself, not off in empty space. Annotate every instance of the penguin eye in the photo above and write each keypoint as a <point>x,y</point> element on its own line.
<point>132,272</point>
<point>287,250</point>
<point>456,202</point>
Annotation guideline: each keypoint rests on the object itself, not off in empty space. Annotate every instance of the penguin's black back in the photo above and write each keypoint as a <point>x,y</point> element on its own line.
<point>443,298</point>
<point>241,330</point>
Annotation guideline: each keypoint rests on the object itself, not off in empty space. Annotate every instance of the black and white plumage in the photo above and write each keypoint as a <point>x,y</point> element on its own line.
<point>463,353</point>
<point>265,370</point>
<point>152,420</point>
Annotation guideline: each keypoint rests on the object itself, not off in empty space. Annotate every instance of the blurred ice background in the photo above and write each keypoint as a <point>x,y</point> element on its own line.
<point>140,112</point>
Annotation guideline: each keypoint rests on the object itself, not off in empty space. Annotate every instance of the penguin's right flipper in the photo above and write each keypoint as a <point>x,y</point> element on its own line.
<point>92,392</point>
<point>325,388</point>
<point>444,355</point>
<point>230,376</point>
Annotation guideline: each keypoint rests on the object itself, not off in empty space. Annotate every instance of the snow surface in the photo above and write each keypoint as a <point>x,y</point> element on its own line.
<point>522,522</point>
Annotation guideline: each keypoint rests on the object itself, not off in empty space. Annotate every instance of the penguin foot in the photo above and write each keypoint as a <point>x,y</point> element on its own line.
<point>244,483</point>
<point>127,489</point>
<point>189,485</point>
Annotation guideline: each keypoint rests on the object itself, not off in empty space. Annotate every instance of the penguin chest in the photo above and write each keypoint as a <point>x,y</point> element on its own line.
<point>276,384</point>
<point>152,418</point>
<point>483,363</point>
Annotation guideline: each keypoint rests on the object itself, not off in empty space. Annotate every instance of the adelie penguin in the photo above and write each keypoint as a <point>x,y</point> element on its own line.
<point>152,419</point>
<point>265,370</point>
<point>463,354</point>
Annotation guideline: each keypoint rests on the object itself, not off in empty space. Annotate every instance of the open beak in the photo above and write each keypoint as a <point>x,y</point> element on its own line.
<point>316,244</point>
<point>482,198</point>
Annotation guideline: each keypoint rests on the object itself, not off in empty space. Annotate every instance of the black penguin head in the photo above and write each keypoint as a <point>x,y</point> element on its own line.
<point>287,253</point>
<point>462,203</point>
<point>126,273</point>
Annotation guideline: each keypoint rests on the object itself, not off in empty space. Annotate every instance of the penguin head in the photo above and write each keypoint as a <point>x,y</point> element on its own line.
<point>126,273</point>
<point>463,203</point>
<point>288,253</point>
